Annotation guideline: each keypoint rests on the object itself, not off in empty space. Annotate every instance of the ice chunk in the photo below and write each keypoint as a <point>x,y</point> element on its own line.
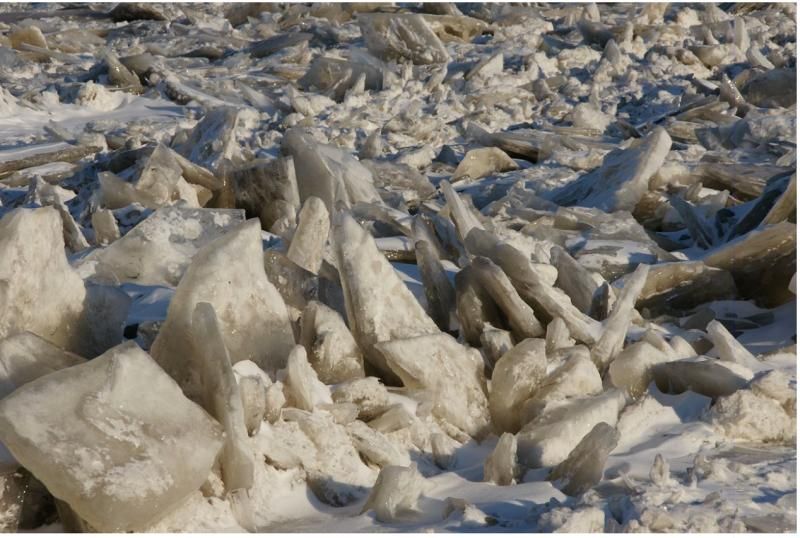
<point>576,377</point>
<point>375,446</point>
<point>582,286</point>
<point>475,308</point>
<point>336,76</point>
<point>327,172</point>
<point>768,248</point>
<point>222,399</point>
<point>331,348</point>
<point>120,460</point>
<point>159,249</point>
<point>772,89</point>
<point>229,274</point>
<point>557,336</point>
<point>379,305</point>
<point>294,284</point>
<point>212,142</point>
<point>681,286</point>
<point>707,377</point>
<point>254,401</point>
<point>659,471</point>
<point>395,494</point>
<point>464,219</point>
<point>548,439</point>
<point>581,520</point>
<point>439,293</point>
<point>501,465</point>
<point>309,239</point>
<point>616,326</point>
<point>25,357</point>
<point>583,468</point>
<point>276,400</point>
<point>746,416</point>
<point>443,449</point>
<point>302,387</point>
<point>105,226</point>
<point>157,182</point>
<point>777,385</point>
<point>396,417</point>
<point>515,379</point>
<point>631,370</point>
<point>451,372</point>
<point>367,393</point>
<point>402,36</point>
<point>478,163</point>
<point>120,76</point>
<point>495,343</point>
<point>728,347</point>
<point>39,291</point>
<point>267,189</point>
<point>520,316</point>
<point>532,285</point>
<point>622,179</point>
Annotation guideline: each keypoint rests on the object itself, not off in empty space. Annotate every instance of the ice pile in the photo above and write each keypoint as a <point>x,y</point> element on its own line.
<point>443,267</point>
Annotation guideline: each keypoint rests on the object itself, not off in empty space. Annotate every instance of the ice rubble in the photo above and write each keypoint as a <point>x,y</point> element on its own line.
<point>571,227</point>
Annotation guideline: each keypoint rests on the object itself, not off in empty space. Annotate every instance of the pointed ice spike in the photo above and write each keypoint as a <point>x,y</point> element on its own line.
<point>475,308</point>
<point>222,399</point>
<point>439,293</point>
<point>229,274</point>
<point>331,348</point>
<point>308,242</point>
<point>583,468</point>
<point>380,306</point>
<point>616,326</point>
<point>728,347</point>
<point>520,316</point>
<point>461,215</point>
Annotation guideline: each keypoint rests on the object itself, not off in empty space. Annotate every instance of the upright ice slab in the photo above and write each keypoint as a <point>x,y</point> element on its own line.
<point>229,274</point>
<point>380,306</point>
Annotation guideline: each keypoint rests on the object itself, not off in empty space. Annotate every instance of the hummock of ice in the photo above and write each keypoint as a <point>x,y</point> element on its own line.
<point>120,459</point>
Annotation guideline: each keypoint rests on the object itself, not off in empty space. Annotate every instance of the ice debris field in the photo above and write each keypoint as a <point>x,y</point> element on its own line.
<point>398,267</point>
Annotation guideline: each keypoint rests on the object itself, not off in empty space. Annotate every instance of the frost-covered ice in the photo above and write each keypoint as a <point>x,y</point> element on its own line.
<point>398,267</point>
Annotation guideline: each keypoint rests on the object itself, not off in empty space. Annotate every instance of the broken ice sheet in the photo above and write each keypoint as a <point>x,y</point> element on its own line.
<point>121,461</point>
